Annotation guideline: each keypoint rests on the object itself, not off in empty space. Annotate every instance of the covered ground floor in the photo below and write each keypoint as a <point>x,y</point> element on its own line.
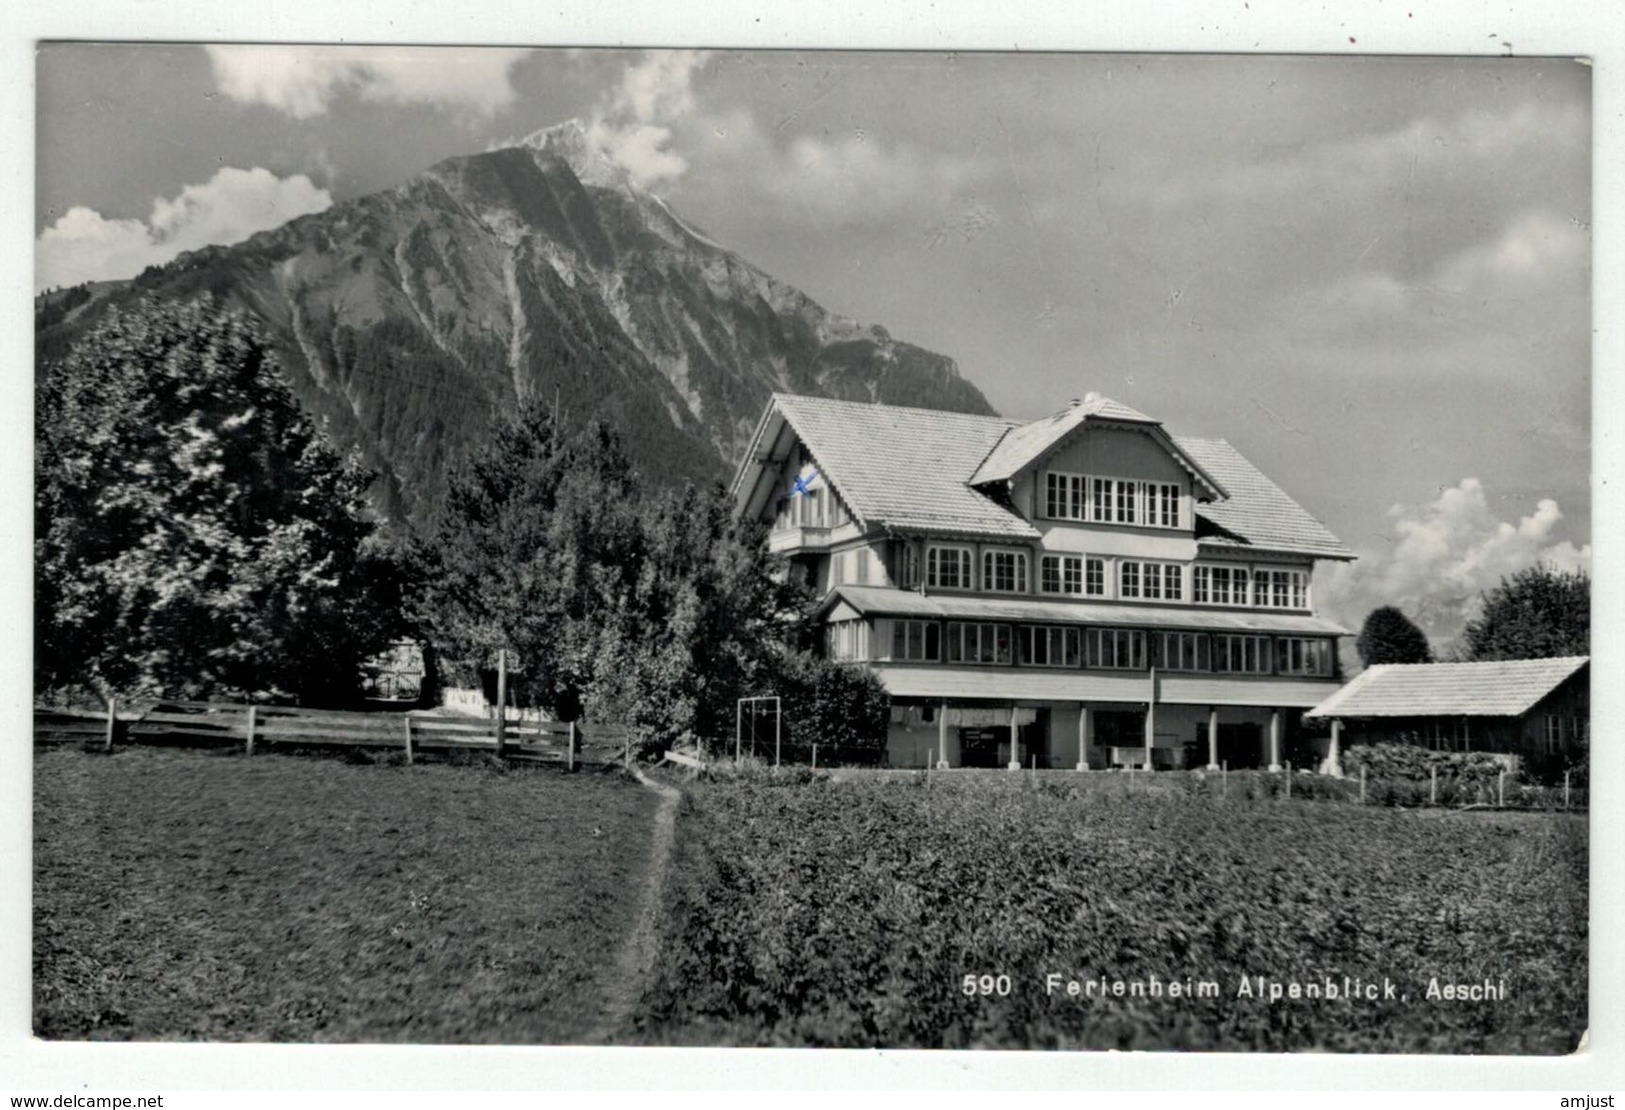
<point>1098,736</point>
<point>1143,721</point>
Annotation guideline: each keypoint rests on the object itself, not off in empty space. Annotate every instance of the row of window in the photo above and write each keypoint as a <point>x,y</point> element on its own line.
<point>1111,500</point>
<point>949,567</point>
<point>1107,648</point>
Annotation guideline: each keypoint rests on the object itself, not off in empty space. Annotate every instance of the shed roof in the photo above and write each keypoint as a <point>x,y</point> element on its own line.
<point>1505,688</point>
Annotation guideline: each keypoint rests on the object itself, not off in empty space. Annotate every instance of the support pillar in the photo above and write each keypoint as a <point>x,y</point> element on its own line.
<point>1334,755</point>
<point>1213,738</point>
<point>1150,733</point>
<point>942,736</point>
<point>1084,721</point>
<point>1275,740</point>
<point>1015,746</point>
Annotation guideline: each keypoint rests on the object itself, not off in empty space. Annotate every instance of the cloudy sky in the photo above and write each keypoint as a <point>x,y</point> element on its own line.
<point>1370,274</point>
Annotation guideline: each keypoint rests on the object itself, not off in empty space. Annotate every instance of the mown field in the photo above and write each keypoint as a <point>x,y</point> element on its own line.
<point>190,895</point>
<point>850,913</point>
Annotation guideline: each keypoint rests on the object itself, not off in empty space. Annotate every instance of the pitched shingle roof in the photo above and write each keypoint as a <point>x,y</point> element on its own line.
<point>1506,688</point>
<point>1258,514</point>
<point>911,468</point>
<point>905,467</point>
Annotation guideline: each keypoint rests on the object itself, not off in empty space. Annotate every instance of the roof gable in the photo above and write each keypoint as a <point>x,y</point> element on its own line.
<point>1025,444</point>
<point>901,467</point>
<point>1504,688</point>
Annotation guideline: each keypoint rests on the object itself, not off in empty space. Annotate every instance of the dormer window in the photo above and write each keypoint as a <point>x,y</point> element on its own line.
<point>1064,496</point>
<point>1162,502</point>
<point>1126,501</point>
<point>1085,497</point>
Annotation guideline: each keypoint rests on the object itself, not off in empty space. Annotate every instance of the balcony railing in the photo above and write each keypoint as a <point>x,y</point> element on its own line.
<point>798,538</point>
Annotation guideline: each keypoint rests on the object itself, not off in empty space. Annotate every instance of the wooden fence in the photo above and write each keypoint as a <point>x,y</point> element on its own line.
<point>260,726</point>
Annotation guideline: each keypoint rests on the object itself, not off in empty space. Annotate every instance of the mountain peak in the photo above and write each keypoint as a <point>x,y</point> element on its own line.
<point>406,318</point>
<point>572,143</point>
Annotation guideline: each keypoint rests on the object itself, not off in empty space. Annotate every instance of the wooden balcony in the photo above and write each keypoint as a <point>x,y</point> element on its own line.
<point>783,541</point>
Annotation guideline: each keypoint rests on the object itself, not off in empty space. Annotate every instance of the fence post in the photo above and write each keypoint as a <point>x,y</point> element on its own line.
<point>112,721</point>
<point>502,700</point>
<point>815,755</point>
<point>570,752</point>
<point>1501,789</point>
<point>1362,784</point>
<point>1565,790</point>
<point>249,743</point>
<point>1224,778</point>
<point>408,720</point>
<point>1433,786</point>
<point>1289,780</point>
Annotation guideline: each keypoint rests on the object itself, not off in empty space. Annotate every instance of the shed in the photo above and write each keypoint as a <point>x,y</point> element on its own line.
<point>1529,707</point>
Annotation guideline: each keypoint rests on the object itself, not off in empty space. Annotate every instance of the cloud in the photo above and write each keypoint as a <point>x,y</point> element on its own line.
<point>1477,307</point>
<point>1445,554</point>
<point>846,178</point>
<point>84,245</point>
<point>1536,248</point>
<point>634,125</point>
<point>652,124</point>
<point>1439,150</point>
<point>303,80</point>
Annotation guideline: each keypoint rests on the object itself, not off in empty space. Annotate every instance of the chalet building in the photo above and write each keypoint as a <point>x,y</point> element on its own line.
<point>1083,591</point>
<point>1532,708</point>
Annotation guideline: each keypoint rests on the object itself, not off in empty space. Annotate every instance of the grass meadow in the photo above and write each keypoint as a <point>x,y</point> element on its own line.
<point>205,896</point>
<point>208,896</point>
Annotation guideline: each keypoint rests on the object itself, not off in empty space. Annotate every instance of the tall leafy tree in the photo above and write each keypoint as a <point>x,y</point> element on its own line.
<point>194,532</point>
<point>1538,612</point>
<point>630,605</point>
<point>704,623</point>
<point>536,531</point>
<point>1389,636</point>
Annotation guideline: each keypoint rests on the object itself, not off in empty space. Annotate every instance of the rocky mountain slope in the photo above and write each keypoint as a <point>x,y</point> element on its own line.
<point>413,318</point>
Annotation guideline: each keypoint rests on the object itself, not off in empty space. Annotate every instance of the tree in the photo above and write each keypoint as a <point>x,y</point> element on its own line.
<point>1537,613</point>
<point>842,707</point>
<point>1388,636</point>
<point>194,533</point>
<point>652,609</point>
<point>533,536</point>
<point>703,624</point>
